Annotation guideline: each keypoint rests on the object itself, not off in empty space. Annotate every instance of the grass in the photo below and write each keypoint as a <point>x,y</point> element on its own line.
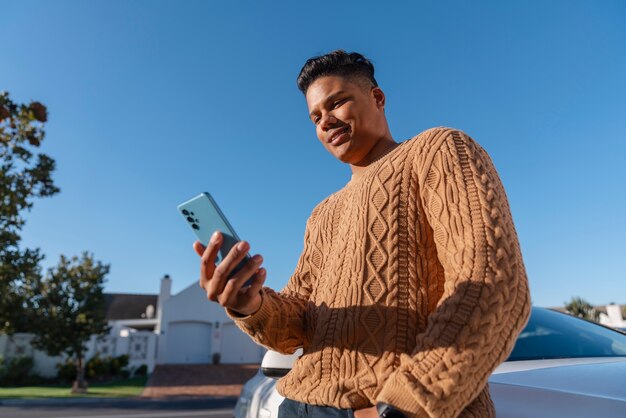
<point>118,389</point>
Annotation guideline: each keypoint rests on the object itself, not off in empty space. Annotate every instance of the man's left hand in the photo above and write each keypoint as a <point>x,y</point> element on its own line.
<point>366,413</point>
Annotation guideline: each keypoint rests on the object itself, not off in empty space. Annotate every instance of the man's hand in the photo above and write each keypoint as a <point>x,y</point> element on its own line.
<point>215,279</point>
<point>366,413</point>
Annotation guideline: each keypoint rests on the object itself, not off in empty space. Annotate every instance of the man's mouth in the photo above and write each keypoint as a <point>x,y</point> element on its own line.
<point>339,135</point>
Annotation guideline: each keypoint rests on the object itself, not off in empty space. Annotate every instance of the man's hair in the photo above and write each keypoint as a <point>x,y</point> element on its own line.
<point>339,62</point>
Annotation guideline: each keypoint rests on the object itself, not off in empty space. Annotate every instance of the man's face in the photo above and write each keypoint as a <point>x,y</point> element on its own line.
<point>348,116</point>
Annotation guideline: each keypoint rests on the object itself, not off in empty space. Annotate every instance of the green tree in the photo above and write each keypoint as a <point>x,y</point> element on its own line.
<point>24,176</point>
<point>581,308</point>
<point>68,304</point>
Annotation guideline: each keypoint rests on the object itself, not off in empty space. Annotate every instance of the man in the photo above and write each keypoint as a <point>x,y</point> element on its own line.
<point>411,287</point>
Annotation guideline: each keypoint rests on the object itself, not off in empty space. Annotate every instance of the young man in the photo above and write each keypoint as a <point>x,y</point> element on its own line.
<point>411,287</point>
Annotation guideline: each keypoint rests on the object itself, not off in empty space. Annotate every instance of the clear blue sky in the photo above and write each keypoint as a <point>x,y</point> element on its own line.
<point>152,102</point>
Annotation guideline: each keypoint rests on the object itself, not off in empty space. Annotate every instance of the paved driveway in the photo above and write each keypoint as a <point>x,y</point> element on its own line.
<point>199,380</point>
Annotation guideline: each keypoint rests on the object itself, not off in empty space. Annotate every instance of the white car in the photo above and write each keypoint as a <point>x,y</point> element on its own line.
<point>561,367</point>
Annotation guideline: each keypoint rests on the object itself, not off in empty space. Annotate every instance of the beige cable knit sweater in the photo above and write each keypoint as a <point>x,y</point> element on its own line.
<point>411,287</point>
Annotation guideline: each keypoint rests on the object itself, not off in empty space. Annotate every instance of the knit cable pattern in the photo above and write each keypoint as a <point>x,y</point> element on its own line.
<point>410,289</point>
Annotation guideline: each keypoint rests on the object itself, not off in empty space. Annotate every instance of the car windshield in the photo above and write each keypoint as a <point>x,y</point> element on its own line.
<point>551,335</point>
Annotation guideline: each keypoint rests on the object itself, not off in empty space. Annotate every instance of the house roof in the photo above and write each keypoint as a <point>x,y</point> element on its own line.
<point>128,306</point>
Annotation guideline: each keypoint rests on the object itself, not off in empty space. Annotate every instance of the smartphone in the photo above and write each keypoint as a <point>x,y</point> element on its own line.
<point>204,217</point>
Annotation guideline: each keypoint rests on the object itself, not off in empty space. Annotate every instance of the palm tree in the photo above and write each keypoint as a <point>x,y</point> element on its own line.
<point>582,309</point>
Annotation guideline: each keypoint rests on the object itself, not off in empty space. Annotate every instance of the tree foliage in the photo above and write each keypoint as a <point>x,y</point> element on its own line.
<point>24,176</point>
<point>68,308</point>
<point>582,309</point>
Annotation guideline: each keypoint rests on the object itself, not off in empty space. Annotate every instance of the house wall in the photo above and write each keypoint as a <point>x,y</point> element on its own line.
<point>189,342</point>
<point>235,347</point>
<point>19,345</point>
<point>613,317</point>
<point>216,332</point>
<point>139,346</point>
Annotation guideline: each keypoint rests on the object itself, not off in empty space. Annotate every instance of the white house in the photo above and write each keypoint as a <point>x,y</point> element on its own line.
<point>613,317</point>
<point>194,330</point>
<point>156,329</point>
<point>132,322</point>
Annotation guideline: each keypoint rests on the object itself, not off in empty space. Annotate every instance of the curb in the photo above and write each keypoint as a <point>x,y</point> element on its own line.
<point>114,401</point>
<point>61,401</point>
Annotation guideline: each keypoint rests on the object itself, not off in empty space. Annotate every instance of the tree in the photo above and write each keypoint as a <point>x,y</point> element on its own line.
<point>582,309</point>
<point>24,176</point>
<point>68,304</point>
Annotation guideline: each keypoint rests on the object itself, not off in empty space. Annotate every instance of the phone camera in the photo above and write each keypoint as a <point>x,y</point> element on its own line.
<point>190,219</point>
<point>194,226</point>
<point>185,212</point>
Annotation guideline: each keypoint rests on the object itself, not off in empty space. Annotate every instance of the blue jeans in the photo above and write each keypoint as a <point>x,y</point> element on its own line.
<point>295,409</point>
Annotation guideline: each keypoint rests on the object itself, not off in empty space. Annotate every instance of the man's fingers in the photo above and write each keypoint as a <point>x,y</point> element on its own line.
<point>209,255</point>
<point>235,295</point>
<point>251,292</point>
<point>249,270</point>
<point>229,293</point>
<point>257,282</point>
<point>234,257</point>
<point>224,270</point>
<point>215,280</point>
<point>199,248</point>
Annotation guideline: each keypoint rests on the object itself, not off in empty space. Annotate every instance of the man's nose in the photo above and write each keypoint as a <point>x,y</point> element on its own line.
<point>328,121</point>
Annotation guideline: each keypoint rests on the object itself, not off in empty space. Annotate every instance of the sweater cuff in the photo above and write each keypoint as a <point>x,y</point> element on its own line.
<point>252,321</point>
<point>395,394</point>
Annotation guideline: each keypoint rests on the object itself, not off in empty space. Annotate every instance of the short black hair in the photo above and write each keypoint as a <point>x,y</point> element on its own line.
<point>339,62</point>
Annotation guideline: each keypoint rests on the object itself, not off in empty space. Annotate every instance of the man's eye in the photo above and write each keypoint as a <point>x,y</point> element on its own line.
<point>316,120</point>
<point>338,103</point>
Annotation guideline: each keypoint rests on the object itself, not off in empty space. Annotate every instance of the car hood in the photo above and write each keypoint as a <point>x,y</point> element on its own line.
<point>578,388</point>
<point>592,377</point>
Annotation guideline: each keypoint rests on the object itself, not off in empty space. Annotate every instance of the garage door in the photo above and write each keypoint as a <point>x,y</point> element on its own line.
<point>188,343</point>
<point>237,347</point>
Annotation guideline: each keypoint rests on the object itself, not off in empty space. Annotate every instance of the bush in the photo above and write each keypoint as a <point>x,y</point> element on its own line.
<point>141,370</point>
<point>118,366</point>
<point>96,368</point>
<point>66,371</point>
<point>18,372</point>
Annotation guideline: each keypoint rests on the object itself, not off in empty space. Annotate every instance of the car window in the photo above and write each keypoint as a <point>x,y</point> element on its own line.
<point>551,334</point>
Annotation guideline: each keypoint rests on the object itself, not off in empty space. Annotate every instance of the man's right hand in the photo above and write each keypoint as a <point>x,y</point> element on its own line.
<point>230,293</point>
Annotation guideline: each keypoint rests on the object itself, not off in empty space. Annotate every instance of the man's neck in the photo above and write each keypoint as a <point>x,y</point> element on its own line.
<point>382,147</point>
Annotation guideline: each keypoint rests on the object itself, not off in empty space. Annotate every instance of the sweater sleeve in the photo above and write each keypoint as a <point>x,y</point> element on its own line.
<point>279,324</point>
<point>485,301</point>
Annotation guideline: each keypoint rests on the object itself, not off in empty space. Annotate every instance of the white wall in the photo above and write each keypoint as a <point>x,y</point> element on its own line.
<point>236,347</point>
<point>188,342</point>
<point>188,306</point>
<point>139,346</point>
<point>190,309</point>
<point>613,317</point>
<point>19,345</point>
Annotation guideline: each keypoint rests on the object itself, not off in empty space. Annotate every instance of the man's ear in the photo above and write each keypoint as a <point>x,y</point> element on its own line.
<point>379,97</point>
